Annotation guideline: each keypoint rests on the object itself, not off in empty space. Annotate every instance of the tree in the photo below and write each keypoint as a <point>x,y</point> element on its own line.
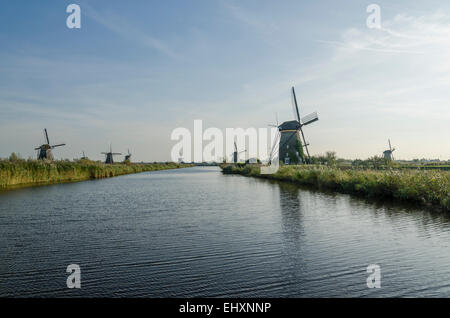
<point>331,158</point>
<point>14,157</point>
<point>376,161</point>
<point>357,163</point>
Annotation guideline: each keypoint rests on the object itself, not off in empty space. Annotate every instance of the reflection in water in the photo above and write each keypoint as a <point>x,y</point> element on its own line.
<point>195,232</point>
<point>291,210</point>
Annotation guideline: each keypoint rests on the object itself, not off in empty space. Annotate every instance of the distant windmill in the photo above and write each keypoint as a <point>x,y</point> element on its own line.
<point>276,119</point>
<point>128,156</point>
<point>44,151</point>
<point>236,153</point>
<point>109,155</point>
<point>388,154</point>
<point>84,157</point>
<point>291,137</point>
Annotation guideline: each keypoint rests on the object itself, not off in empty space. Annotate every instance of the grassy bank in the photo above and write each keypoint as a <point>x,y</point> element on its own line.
<point>425,187</point>
<point>32,172</point>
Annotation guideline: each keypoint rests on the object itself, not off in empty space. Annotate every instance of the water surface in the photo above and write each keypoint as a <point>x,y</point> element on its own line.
<point>194,232</point>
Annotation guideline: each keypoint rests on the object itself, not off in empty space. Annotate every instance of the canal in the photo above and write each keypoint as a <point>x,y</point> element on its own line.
<point>196,233</point>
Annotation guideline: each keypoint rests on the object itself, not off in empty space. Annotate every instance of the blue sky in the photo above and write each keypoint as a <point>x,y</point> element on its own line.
<point>136,70</point>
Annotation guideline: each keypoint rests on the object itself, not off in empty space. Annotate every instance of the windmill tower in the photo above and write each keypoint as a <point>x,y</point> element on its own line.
<point>388,154</point>
<point>44,151</point>
<point>236,153</point>
<point>291,136</point>
<point>128,156</point>
<point>109,155</point>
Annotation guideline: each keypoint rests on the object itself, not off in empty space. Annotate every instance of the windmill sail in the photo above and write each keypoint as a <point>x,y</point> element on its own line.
<point>295,105</point>
<point>308,119</point>
<point>298,119</point>
<point>58,145</point>
<point>46,136</point>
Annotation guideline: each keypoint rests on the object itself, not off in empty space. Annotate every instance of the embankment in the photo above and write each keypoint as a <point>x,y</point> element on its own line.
<point>425,187</point>
<point>32,172</point>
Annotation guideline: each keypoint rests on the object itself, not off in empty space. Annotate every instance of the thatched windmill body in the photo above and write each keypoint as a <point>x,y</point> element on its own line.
<point>44,151</point>
<point>110,155</point>
<point>388,154</point>
<point>236,153</point>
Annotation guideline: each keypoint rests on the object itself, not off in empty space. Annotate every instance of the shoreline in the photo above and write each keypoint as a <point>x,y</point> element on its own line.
<point>429,188</point>
<point>24,174</point>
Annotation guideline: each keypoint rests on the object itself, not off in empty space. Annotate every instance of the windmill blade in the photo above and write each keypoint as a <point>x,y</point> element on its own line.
<point>116,153</point>
<point>235,147</point>
<point>308,119</point>
<point>390,148</point>
<point>46,136</point>
<point>37,148</point>
<point>59,145</point>
<point>276,120</point>
<point>305,144</point>
<point>275,142</point>
<point>294,100</point>
<point>104,153</point>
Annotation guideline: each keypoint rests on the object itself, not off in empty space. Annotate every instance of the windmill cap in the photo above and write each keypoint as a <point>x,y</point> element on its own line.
<point>289,125</point>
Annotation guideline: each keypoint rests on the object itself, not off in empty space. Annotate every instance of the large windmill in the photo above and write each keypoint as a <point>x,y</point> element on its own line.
<point>291,138</point>
<point>109,155</point>
<point>388,154</point>
<point>44,151</point>
<point>236,153</point>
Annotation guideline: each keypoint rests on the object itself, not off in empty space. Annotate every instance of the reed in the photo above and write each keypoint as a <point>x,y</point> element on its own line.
<point>18,173</point>
<point>428,187</point>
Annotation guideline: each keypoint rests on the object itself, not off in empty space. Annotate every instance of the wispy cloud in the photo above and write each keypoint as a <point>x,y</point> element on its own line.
<point>249,18</point>
<point>130,33</point>
<point>403,34</point>
<point>361,46</point>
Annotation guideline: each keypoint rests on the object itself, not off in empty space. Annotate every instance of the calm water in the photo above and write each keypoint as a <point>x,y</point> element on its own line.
<point>195,232</point>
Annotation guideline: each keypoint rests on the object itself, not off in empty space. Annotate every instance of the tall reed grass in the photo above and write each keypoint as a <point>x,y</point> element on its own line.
<point>32,172</point>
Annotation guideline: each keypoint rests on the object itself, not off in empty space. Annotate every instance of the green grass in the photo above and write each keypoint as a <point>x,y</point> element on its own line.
<point>20,173</point>
<point>428,187</point>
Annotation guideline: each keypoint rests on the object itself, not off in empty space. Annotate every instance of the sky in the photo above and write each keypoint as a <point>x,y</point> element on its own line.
<point>136,70</point>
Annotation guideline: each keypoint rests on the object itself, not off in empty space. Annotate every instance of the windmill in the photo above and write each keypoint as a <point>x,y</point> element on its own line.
<point>109,155</point>
<point>44,151</point>
<point>84,157</point>
<point>236,153</point>
<point>128,156</point>
<point>388,154</point>
<point>291,138</point>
